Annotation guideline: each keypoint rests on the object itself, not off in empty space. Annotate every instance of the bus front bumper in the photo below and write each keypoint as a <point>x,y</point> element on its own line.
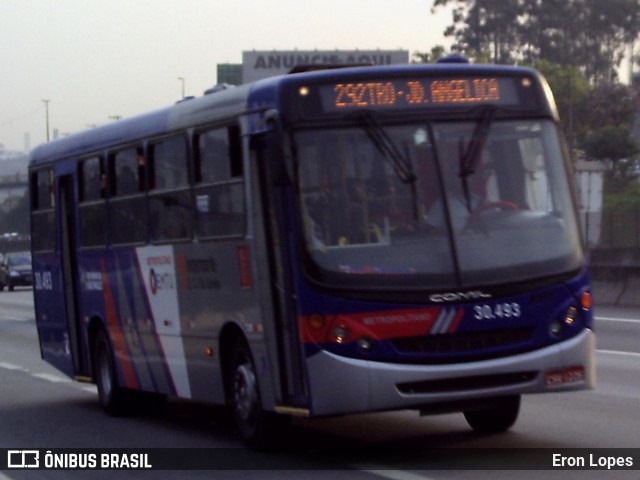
<point>341,385</point>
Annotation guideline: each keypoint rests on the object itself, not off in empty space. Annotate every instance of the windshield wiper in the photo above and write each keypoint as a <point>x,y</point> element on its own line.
<point>387,147</point>
<point>400,163</point>
<point>469,156</point>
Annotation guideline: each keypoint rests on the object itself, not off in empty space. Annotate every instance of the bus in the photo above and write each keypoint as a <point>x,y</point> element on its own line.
<point>358,239</point>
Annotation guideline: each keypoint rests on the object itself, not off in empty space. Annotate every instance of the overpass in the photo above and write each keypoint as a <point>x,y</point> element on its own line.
<point>12,188</point>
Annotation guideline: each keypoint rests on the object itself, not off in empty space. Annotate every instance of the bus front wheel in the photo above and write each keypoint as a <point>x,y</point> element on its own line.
<point>255,426</point>
<point>113,399</point>
<point>500,417</point>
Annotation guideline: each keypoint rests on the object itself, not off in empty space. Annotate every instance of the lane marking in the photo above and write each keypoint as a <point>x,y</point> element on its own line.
<point>49,377</point>
<point>93,389</point>
<point>614,319</point>
<point>621,320</point>
<point>380,471</point>
<point>14,318</point>
<point>11,366</point>
<point>616,352</point>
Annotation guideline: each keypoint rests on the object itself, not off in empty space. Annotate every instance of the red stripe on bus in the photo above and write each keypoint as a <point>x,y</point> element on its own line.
<point>378,325</point>
<point>117,337</point>
<point>456,321</point>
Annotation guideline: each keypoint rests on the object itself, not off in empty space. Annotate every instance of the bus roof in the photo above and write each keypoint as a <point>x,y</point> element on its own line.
<point>227,103</point>
<point>399,69</point>
<point>209,108</point>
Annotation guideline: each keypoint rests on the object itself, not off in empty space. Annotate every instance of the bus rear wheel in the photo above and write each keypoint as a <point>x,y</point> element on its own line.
<point>500,417</point>
<point>256,427</point>
<point>113,399</point>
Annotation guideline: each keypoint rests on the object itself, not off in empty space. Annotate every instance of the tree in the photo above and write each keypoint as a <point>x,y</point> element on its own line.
<point>614,144</point>
<point>486,26</point>
<point>436,53</point>
<point>590,35</point>
<point>585,109</point>
<point>570,90</point>
<point>610,104</point>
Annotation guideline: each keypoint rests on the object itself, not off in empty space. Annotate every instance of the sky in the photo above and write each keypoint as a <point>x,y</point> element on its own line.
<point>96,59</point>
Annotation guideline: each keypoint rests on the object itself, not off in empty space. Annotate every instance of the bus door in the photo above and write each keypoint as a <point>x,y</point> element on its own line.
<point>278,210</point>
<point>68,230</point>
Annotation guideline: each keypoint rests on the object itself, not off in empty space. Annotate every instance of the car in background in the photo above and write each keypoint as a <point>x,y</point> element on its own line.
<point>15,270</point>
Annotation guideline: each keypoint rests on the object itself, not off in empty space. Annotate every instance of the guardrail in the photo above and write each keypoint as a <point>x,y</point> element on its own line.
<point>613,238</point>
<point>14,243</point>
<point>14,179</point>
<point>620,228</point>
<point>615,271</point>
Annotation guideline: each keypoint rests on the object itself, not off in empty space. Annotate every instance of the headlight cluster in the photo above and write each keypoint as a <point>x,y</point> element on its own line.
<point>339,331</point>
<point>571,317</point>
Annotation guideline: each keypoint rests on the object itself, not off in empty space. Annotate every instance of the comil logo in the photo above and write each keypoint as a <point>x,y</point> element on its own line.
<point>23,459</point>
<point>458,296</point>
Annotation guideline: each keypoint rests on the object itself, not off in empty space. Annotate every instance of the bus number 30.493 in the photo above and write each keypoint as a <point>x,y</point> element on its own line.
<point>499,310</point>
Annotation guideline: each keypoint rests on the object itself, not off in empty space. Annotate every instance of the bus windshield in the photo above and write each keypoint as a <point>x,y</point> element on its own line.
<point>447,217</point>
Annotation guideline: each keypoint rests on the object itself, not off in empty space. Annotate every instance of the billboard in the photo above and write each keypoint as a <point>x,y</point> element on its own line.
<point>262,64</point>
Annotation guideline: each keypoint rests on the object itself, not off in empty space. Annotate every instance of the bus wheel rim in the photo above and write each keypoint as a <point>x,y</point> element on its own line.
<point>245,392</point>
<point>105,374</point>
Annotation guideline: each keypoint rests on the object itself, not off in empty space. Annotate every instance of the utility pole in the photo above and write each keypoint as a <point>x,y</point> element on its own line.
<point>46,113</point>
<point>182,81</point>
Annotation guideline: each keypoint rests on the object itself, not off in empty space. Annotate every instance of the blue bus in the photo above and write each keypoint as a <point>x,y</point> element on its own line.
<point>321,243</point>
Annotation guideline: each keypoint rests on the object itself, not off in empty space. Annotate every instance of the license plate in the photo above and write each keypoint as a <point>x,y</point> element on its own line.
<point>564,376</point>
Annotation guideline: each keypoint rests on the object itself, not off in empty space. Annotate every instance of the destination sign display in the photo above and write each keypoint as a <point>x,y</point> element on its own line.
<point>412,93</point>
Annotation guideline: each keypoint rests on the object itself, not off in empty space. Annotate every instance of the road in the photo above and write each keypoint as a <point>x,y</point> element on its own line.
<point>39,408</point>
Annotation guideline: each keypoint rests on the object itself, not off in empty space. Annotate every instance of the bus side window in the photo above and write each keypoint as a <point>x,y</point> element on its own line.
<point>92,179</point>
<point>127,172</point>
<point>43,213</point>
<point>93,208</point>
<point>219,178</point>
<point>169,196</point>
<point>43,187</point>
<point>128,202</point>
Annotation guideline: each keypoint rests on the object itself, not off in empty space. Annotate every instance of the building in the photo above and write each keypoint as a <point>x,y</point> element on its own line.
<point>230,73</point>
<point>589,178</point>
<point>13,178</point>
<point>262,64</point>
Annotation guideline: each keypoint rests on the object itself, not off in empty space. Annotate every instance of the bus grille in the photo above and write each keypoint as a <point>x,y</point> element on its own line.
<point>477,344</point>
<point>467,383</point>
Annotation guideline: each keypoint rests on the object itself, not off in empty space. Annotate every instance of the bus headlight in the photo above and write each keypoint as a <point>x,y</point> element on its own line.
<point>365,344</point>
<point>557,327</point>
<point>340,334</point>
<point>571,316</point>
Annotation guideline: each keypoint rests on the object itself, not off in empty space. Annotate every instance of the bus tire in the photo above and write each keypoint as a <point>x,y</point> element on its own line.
<point>113,399</point>
<point>497,419</point>
<point>255,426</point>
